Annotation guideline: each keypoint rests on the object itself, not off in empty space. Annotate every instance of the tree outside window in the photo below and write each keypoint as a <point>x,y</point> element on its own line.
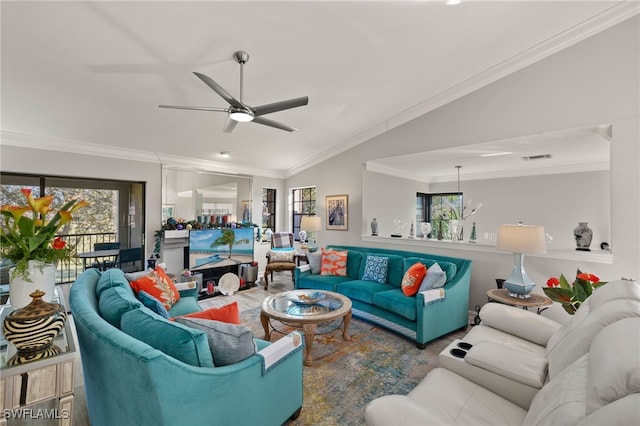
<point>304,204</point>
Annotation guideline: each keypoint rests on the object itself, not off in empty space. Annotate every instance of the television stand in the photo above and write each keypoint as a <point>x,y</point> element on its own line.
<point>212,276</point>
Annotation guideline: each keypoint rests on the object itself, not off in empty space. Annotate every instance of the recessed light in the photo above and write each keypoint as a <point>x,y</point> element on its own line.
<point>453,2</point>
<point>225,154</point>
<point>495,154</point>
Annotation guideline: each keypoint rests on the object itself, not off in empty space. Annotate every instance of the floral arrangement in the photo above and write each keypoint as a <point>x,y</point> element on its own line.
<point>26,234</point>
<point>571,295</point>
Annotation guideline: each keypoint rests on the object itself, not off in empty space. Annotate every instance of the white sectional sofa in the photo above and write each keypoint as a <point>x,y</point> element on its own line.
<point>522,368</point>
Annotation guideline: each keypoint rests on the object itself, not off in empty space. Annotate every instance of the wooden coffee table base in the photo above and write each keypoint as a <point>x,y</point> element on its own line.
<point>309,329</point>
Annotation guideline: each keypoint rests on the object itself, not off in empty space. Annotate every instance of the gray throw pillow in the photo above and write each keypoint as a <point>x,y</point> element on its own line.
<point>229,343</point>
<point>314,261</point>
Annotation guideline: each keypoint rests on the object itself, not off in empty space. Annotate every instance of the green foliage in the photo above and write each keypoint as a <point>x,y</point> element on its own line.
<point>228,238</point>
<point>572,295</point>
<point>27,234</point>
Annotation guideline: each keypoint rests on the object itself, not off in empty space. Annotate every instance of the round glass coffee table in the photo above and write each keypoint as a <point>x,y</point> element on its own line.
<point>314,311</point>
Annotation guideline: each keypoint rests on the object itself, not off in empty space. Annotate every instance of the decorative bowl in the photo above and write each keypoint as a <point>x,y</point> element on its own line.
<point>306,298</point>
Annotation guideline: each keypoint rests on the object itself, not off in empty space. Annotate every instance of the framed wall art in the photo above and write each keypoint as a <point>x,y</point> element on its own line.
<point>337,212</point>
<point>168,211</point>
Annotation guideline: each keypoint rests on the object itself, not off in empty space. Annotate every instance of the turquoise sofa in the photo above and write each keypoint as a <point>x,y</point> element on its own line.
<point>386,305</point>
<point>128,382</point>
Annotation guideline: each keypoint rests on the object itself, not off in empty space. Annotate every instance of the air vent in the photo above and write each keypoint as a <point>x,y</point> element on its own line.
<point>537,157</point>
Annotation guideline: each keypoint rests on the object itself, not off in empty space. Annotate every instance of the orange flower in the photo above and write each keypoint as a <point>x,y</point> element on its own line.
<point>65,217</point>
<point>26,237</point>
<point>553,282</point>
<point>588,277</point>
<point>80,204</point>
<point>16,211</point>
<point>58,244</point>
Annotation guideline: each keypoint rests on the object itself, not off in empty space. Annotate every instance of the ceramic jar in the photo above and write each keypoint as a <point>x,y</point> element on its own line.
<point>32,329</point>
<point>374,227</point>
<point>583,235</point>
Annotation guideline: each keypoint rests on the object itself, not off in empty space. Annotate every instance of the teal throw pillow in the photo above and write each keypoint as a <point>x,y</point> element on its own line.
<point>435,278</point>
<point>152,303</point>
<point>375,269</point>
<point>114,302</point>
<point>177,341</point>
<point>229,343</point>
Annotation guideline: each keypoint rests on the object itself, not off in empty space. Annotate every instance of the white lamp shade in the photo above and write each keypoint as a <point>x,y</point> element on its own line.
<point>521,239</point>
<point>310,223</point>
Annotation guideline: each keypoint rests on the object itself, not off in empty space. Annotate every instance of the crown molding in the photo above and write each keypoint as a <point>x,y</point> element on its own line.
<point>372,166</point>
<point>48,143</point>
<point>616,14</point>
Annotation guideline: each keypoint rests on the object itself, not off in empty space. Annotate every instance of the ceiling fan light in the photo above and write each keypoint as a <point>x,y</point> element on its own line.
<point>241,116</point>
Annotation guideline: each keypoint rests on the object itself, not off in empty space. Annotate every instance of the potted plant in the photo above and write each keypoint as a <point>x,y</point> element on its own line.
<point>29,241</point>
<point>571,295</point>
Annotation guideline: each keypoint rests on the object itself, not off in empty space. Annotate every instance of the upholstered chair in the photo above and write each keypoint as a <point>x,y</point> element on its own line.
<point>281,256</point>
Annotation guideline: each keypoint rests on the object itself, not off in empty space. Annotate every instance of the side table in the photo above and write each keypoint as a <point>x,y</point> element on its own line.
<point>501,295</point>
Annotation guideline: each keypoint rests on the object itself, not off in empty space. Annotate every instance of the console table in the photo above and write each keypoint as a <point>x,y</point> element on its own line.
<point>25,388</point>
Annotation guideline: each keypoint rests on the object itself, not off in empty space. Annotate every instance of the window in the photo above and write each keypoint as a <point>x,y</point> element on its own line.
<point>304,204</point>
<point>115,212</point>
<point>438,209</point>
<point>269,209</point>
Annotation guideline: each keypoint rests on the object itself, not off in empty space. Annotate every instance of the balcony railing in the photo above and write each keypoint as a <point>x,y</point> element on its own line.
<point>68,271</point>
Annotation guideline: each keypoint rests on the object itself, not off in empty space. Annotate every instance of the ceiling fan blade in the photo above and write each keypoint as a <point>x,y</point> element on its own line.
<point>267,122</point>
<point>229,125</point>
<point>219,90</point>
<point>279,106</point>
<point>193,108</point>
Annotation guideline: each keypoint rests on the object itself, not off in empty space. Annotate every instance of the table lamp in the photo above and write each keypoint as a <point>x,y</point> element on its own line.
<point>311,224</point>
<point>520,239</point>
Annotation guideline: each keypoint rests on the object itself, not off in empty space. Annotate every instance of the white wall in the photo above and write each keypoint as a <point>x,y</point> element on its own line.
<point>557,202</point>
<point>595,81</point>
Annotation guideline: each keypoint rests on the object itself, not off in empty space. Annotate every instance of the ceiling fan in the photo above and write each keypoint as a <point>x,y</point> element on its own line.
<point>238,111</point>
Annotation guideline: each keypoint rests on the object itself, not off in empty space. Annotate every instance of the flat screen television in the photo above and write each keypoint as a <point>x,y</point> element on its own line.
<point>210,248</point>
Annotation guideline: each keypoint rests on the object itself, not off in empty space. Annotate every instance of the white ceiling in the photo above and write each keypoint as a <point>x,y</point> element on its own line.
<point>95,72</point>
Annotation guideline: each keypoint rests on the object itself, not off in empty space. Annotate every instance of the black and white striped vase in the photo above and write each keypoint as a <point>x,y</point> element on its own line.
<point>32,329</point>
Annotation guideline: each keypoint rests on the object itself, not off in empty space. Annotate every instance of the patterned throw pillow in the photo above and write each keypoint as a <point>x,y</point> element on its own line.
<point>435,278</point>
<point>282,255</point>
<point>157,284</point>
<point>334,262</point>
<point>413,278</point>
<point>375,269</point>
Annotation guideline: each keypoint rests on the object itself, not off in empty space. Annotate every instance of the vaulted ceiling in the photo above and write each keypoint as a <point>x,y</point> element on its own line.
<point>94,73</point>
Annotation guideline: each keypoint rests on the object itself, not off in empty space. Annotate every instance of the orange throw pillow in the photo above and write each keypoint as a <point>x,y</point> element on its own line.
<point>227,313</point>
<point>413,278</point>
<point>158,285</point>
<point>334,262</point>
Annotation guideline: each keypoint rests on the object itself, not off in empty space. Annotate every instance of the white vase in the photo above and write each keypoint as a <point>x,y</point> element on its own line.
<point>42,277</point>
<point>425,228</point>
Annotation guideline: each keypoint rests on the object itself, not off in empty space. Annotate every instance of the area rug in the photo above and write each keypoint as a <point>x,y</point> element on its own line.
<point>347,375</point>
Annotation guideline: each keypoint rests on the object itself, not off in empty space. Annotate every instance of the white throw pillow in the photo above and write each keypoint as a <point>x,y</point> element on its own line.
<point>435,278</point>
<point>314,261</point>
